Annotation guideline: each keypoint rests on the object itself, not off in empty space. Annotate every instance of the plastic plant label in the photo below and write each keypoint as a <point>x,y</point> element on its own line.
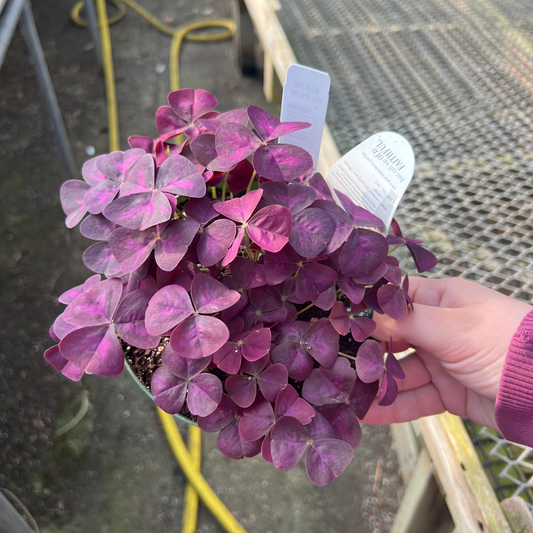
<point>375,174</point>
<point>305,99</point>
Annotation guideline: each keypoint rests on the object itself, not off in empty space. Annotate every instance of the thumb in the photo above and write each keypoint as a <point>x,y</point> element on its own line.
<point>426,327</point>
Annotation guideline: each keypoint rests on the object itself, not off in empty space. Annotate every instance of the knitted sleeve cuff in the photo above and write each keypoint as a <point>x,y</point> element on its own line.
<point>514,402</point>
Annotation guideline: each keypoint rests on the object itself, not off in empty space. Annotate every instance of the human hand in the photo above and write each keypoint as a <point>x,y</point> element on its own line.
<point>461,332</point>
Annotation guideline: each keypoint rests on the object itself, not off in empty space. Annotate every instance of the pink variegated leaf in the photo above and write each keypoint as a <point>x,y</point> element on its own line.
<point>100,259</point>
<point>95,349</point>
<point>215,241</point>
<point>62,328</point>
<point>240,209</point>
<point>167,308</point>
<point>140,177</point>
<point>268,127</point>
<point>168,123</point>
<point>191,104</point>
<point>131,248</point>
<point>72,200</point>
<point>129,320</point>
<point>281,162</point>
<point>174,243</point>
<point>140,211</point>
<point>234,143</point>
<point>210,296</point>
<point>199,336</point>
<point>319,185</point>
<point>68,296</point>
<point>99,196</point>
<point>97,228</point>
<point>142,142</point>
<point>115,165</point>
<point>270,228</point>
<point>96,306</point>
<point>177,175</point>
<point>90,171</point>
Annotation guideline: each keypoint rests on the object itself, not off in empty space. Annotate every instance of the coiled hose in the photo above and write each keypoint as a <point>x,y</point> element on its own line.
<point>188,459</point>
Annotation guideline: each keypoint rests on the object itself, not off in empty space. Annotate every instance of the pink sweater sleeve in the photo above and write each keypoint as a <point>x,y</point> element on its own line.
<point>514,402</point>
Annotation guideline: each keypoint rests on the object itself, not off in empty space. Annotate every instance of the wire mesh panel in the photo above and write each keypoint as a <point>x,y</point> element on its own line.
<point>456,79</point>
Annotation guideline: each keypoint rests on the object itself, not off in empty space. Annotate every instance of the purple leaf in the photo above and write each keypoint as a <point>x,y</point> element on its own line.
<point>322,342</point>
<point>294,357</point>
<point>97,228</point>
<point>294,197</point>
<point>231,444</point>
<point>281,162</point>
<point>68,369</point>
<point>205,393</point>
<point>369,363</point>
<point>142,142</point>
<point>96,306</point>
<point>343,224</point>
<point>191,104</point>
<point>424,259</point>
<point>95,349</point>
<point>234,143</point>
<point>362,396</point>
<point>140,211</point>
<point>281,265</point>
<point>360,216</point>
<point>178,175</point>
<point>204,149</point>
<point>312,231</point>
<point>262,300</point>
<point>362,252</point>
<point>362,328</point>
<point>168,123</point>
<point>288,403</point>
<point>221,417</point>
<point>270,228</point>
<point>68,296</point>
<point>288,444</point>
<point>99,258</point>
<point>228,358</point>
<point>330,385</point>
<point>312,279</point>
<point>167,308</point>
<point>241,389</point>
<point>174,242</point>
<point>240,209</point>
<point>62,328</point>
<point>199,336</point>
<point>350,288</point>
<point>394,273</point>
<point>169,391</point>
<point>247,273</point>
<point>129,320</point>
<point>272,380</point>
<point>393,366</point>
<point>183,367</point>
<point>211,296</point>
<point>115,164</point>
<point>344,421</point>
<point>268,127</point>
<point>256,344</point>
<point>201,209</point>
<point>72,199</point>
<point>392,300</point>
<point>214,241</point>
<point>339,318</point>
<point>101,195</point>
<point>388,391</point>
<point>234,248</point>
<point>240,176</point>
<point>257,420</point>
<point>326,459</point>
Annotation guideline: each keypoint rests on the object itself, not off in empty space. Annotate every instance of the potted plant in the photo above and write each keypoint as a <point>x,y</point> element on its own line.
<point>235,287</point>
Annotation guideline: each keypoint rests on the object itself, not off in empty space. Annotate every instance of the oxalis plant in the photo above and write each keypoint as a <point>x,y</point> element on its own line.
<point>223,251</point>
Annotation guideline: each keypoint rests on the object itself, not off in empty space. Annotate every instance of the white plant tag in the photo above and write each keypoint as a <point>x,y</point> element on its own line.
<point>305,99</point>
<point>375,174</point>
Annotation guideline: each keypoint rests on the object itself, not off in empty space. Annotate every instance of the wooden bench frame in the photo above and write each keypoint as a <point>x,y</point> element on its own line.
<point>446,487</point>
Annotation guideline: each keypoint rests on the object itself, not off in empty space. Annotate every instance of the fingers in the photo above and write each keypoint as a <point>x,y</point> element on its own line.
<point>409,405</point>
<point>416,373</point>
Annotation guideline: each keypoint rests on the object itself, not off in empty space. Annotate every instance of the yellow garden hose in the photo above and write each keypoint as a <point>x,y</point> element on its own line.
<point>188,459</point>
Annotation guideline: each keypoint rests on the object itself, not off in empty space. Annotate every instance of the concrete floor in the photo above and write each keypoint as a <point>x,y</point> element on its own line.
<point>114,471</point>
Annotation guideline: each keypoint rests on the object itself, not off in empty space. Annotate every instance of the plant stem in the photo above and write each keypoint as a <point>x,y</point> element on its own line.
<point>224,185</point>
<point>248,251</point>
<point>347,356</point>
<point>180,214</point>
<point>249,188</point>
<point>214,193</point>
<point>305,309</point>
<point>394,249</point>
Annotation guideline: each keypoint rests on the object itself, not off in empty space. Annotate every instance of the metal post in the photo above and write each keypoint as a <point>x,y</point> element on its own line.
<point>11,17</point>
<point>93,27</point>
<point>10,520</point>
<point>36,52</point>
